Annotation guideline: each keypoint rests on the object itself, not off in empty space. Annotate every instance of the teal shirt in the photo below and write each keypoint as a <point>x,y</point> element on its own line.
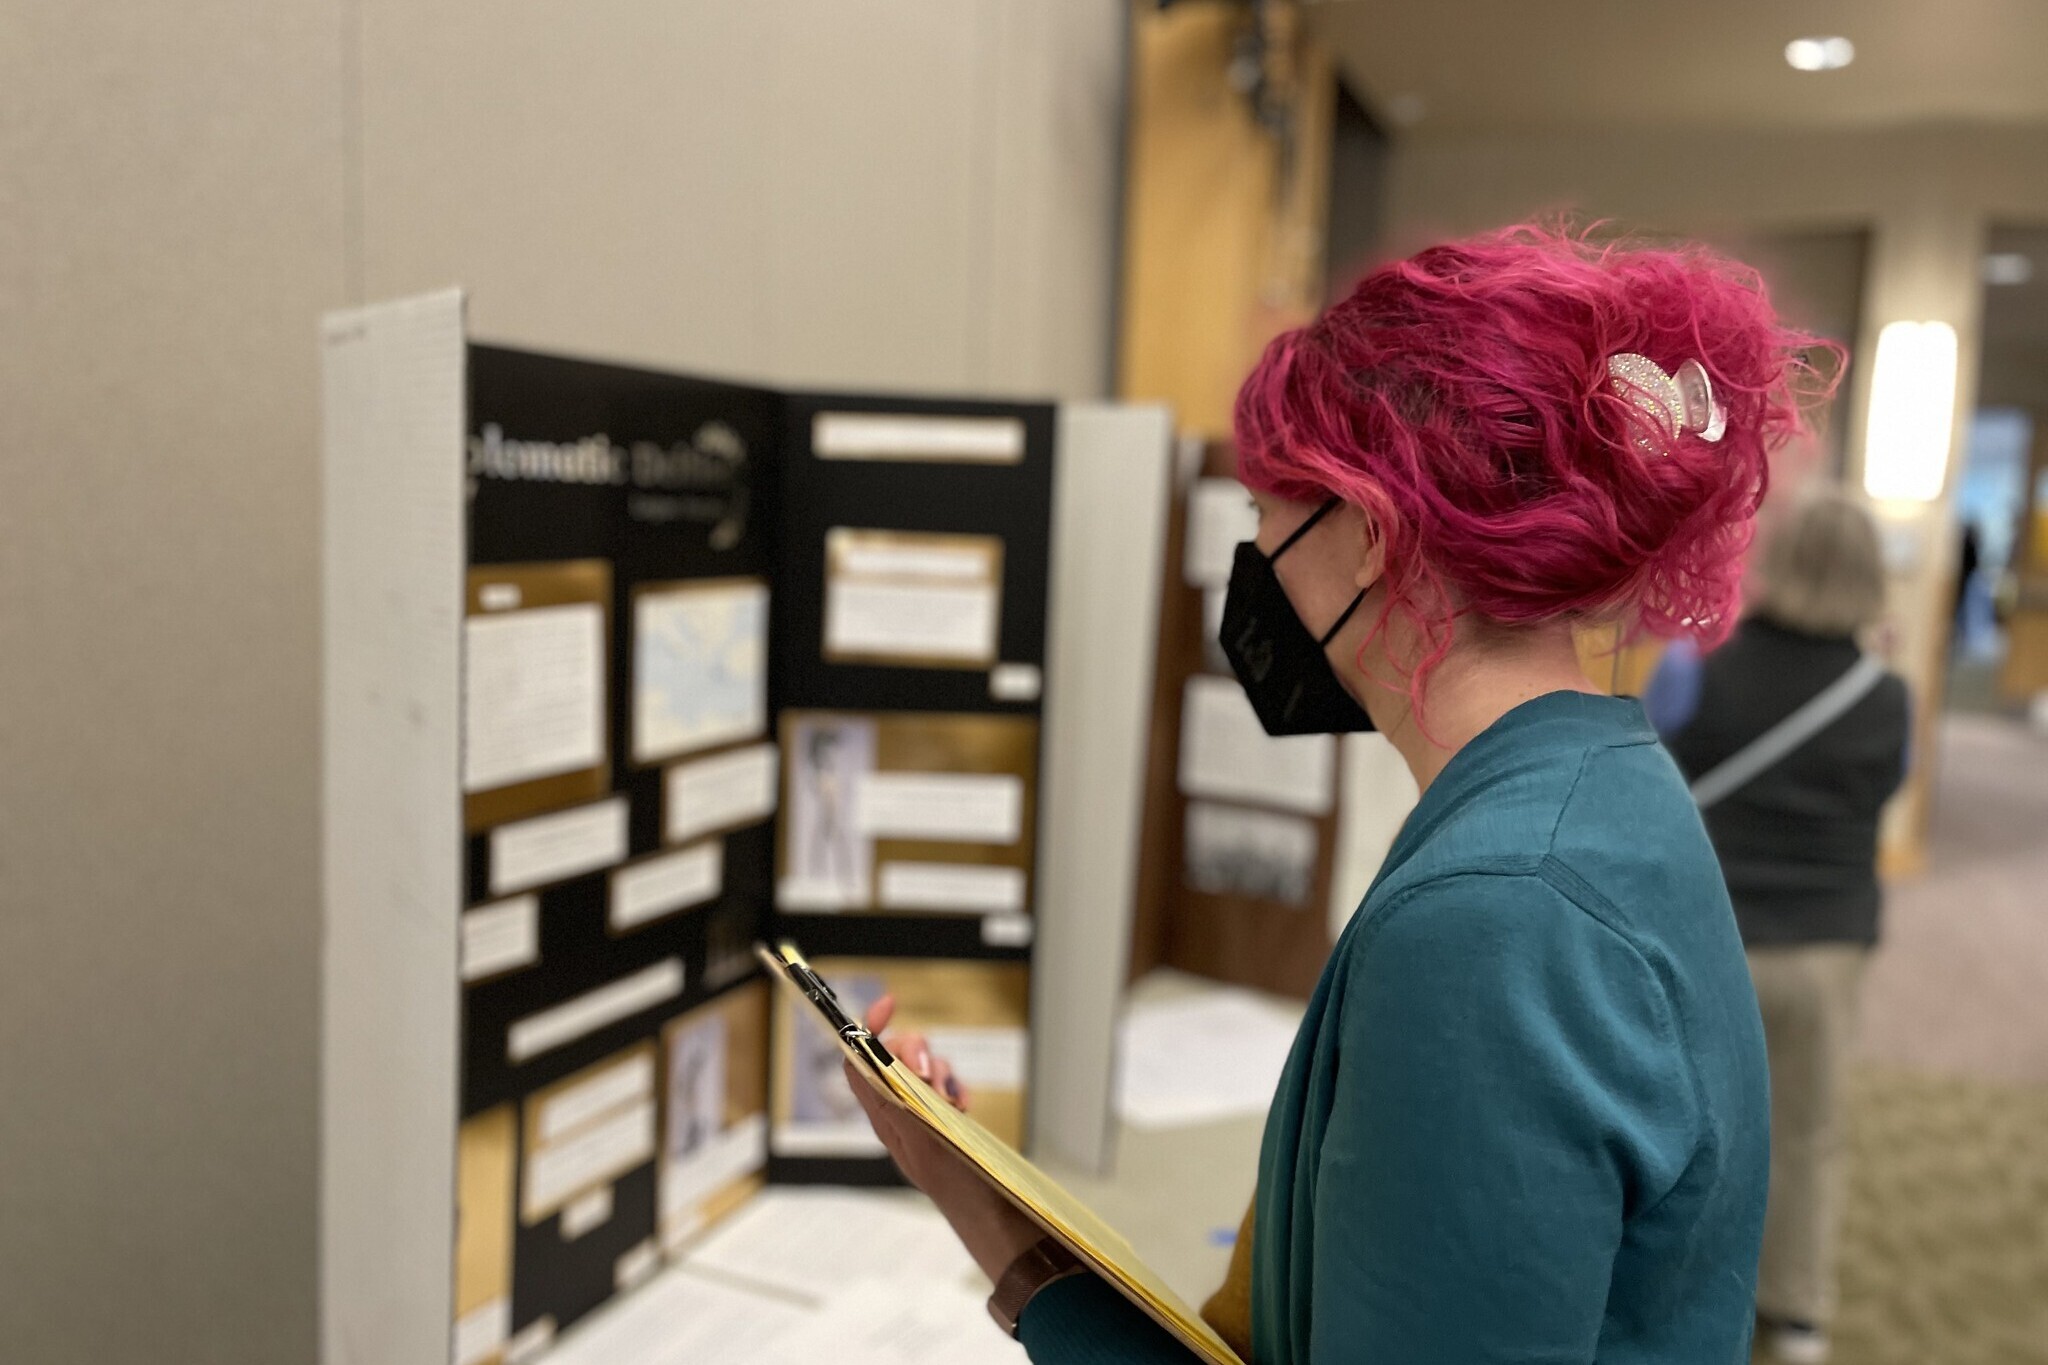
<point>1526,1118</point>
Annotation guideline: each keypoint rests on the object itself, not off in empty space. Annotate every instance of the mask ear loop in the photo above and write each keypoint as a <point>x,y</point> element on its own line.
<point>1331,634</point>
<point>1297,534</point>
<point>1304,528</point>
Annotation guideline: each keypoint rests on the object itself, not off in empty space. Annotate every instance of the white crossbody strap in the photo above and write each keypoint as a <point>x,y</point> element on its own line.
<point>1768,749</point>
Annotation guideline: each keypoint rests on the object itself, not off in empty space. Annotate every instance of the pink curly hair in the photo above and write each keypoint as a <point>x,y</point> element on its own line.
<point>1461,399</point>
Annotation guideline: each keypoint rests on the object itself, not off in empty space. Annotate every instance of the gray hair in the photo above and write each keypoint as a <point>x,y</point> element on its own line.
<point>1823,570</point>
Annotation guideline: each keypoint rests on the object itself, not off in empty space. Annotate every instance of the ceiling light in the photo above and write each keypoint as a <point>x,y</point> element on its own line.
<point>2007,267</point>
<point>1912,411</point>
<point>1820,54</point>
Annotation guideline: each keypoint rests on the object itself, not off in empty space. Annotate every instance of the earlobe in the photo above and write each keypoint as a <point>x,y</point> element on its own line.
<point>1371,566</point>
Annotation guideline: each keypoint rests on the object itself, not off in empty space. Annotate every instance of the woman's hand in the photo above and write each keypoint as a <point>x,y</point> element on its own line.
<point>988,1225</point>
<point>914,1051</point>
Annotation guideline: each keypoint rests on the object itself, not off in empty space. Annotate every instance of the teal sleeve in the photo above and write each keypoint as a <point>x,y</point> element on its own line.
<point>1082,1321</point>
<point>1510,1086</point>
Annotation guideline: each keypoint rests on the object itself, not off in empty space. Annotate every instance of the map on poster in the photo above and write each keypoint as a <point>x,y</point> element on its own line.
<point>700,666</point>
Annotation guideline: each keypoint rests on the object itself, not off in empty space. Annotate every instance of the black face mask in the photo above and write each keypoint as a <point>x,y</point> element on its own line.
<point>1280,665</point>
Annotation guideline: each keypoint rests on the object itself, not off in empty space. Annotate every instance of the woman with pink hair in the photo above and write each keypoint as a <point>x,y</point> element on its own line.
<point>1526,1117</point>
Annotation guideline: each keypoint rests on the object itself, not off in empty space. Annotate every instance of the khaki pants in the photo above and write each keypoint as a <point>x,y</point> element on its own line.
<point>1808,994</point>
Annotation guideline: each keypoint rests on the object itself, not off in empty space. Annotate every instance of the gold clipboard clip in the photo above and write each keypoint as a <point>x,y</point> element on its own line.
<point>786,960</point>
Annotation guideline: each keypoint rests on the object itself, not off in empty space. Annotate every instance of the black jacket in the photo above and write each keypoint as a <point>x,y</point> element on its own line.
<point>1798,844</point>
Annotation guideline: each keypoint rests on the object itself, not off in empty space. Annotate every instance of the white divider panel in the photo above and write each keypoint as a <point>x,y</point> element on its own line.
<point>392,842</point>
<point>1111,487</point>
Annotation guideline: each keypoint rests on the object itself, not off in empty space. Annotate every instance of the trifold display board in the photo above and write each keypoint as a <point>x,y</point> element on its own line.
<point>626,670</point>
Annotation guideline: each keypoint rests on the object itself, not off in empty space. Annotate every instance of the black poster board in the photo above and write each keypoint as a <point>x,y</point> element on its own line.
<point>1007,501</point>
<point>590,485</point>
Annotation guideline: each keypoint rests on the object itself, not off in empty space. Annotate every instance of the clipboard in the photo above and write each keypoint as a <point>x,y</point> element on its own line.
<point>1097,1245</point>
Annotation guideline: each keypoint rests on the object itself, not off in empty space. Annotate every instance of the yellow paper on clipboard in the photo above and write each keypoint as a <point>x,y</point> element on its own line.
<point>1098,1246</point>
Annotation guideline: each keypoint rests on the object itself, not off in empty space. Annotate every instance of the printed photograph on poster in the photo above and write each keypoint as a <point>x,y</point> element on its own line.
<point>700,666</point>
<point>696,1087</point>
<point>1220,517</point>
<point>714,1122</point>
<point>906,812</point>
<point>828,863</point>
<point>923,438</point>
<point>911,598</point>
<point>484,1170</point>
<point>1231,851</point>
<point>975,1012</point>
<point>535,644</point>
<point>821,1116</point>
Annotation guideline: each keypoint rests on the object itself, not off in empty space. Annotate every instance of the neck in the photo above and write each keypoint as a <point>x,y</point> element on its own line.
<point>1476,684</point>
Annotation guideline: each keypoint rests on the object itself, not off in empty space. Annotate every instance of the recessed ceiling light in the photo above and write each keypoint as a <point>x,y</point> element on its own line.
<point>2007,267</point>
<point>1820,54</point>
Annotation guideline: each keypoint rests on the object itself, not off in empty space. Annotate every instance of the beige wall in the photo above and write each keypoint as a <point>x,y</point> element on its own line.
<point>1927,195</point>
<point>910,194</point>
<point>171,224</point>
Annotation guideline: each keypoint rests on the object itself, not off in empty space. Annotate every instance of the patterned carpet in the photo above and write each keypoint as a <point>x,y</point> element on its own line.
<point>1945,1248</point>
<point>1945,1257</point>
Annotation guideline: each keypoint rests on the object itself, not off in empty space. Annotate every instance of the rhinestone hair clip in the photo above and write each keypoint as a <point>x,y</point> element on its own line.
<point>1676,403</point>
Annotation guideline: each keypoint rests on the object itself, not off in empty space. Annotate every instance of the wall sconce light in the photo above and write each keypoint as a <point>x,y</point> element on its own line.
<point>1912,412</point>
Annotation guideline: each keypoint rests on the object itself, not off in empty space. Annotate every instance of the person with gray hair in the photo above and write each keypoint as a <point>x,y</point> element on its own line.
<point>1793,739</point>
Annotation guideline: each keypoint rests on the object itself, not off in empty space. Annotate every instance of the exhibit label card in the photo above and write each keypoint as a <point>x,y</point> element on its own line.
<point>662,885</point>
<point>533,694</point>
<point>1226,753</point>
<point>900,597</point>
<point>536,722</point>
<point>980,808</point>
<point>723,791</point>
<point>587,1213</point>
<point>552,848</point>
<point>917,437</point>
<point>500,937</point>
<point>586,1131</point>
<point>718,1161</point>
<point>951,888</point>
<point>590,1094</point>
<point>560,1171</point>
<point>700,666</point>
<point>481,1332</point>
<point>1220,517</point>
<point>587,1013</point>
